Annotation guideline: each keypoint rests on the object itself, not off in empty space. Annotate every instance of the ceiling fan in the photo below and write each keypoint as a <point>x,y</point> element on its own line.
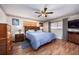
<point>43,13</point>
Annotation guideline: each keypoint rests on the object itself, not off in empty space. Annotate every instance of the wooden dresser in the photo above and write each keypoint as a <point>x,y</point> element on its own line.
<point>73,37</point>
<point>5,39</point>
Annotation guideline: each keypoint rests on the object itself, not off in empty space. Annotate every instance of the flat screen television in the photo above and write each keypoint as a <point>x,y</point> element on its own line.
<point>73,24</point>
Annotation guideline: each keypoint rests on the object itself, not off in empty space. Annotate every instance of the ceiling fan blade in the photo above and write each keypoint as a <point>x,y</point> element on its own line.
<point>38,12</point>
<point>49,12</point>
<point>45,9</point>
<point>39,15</point>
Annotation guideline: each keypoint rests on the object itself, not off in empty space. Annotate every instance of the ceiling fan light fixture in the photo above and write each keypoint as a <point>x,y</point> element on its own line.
<point>44,13</point>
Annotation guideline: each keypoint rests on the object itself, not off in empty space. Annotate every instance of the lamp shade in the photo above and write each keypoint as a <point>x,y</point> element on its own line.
<point>19,29</point>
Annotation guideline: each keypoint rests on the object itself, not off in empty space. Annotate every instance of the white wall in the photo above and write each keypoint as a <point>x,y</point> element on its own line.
<point>3,17</point>
<point>73,17</point>
<point>14,28</point>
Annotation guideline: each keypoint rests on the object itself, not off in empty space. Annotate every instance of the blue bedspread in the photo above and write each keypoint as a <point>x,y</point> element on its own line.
<point>39,38</point>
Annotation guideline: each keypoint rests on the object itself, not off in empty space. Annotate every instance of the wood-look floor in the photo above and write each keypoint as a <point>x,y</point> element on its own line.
<point>59,47</point>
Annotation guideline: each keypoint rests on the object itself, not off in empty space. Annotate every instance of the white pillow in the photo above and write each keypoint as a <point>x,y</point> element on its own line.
<point>31,31</point>
<point>39,30</point>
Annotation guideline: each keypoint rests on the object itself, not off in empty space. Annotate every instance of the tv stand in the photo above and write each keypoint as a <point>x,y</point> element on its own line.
<point>73,37</point>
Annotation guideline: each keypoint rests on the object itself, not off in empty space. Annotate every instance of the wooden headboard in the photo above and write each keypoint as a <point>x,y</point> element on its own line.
<point>31,25</point>
<point>26,28</point>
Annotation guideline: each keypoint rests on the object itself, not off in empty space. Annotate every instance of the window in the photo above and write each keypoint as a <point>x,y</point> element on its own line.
<point>60,25</point>
<point>53,25</point>
<point>56,25</point>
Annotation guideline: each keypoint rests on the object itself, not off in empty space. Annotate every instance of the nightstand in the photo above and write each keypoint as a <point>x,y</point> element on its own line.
<point>19,37</point>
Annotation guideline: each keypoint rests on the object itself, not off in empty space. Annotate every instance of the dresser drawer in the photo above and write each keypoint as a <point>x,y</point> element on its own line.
<point>3,42</point>
<point>3,46</point>
<point>3,49</point>
<point>19,36</point>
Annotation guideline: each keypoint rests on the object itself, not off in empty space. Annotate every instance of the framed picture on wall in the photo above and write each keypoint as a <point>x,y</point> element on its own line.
<point>15,21</point>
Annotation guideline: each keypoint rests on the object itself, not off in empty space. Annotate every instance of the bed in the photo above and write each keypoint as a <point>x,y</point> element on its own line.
<point>39,38</point>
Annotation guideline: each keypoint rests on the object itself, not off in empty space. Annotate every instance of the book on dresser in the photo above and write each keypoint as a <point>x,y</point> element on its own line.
<point>5,39</point>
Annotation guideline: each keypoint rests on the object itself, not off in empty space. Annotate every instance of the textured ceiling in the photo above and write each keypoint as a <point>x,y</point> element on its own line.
<point>28,10</point>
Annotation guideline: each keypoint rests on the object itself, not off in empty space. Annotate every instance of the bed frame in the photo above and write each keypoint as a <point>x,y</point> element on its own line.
<point>26,28</point>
